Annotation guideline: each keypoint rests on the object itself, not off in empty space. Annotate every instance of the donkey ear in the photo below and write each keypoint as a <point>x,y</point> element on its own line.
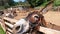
<point>47,7</point>
<point>45,10</point>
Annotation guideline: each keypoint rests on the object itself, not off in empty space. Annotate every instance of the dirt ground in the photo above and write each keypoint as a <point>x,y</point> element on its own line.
<point>21,15</point>
<point>50,16</point>
<point>53,17</point>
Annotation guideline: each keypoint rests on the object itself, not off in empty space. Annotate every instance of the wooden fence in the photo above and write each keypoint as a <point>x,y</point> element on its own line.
<point>8,27</point>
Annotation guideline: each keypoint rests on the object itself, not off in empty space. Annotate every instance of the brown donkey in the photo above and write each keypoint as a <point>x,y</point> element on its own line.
<point>35,21</point>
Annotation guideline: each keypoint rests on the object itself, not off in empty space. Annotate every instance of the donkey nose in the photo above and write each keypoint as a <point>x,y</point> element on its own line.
<point>17,28</point>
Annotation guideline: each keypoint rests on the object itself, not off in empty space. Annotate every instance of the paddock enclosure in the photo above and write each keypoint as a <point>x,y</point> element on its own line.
<point>51,16</point>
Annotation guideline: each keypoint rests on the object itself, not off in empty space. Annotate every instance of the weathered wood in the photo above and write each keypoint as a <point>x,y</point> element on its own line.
<point>11,20</point>
<point>48,30</point>
<point>10,25</point>
<point>9,30</point>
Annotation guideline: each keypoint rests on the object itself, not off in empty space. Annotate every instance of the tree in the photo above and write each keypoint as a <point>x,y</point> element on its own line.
<point>57,3</point>
<point>35,3</point>
<point>6,6</point>
<point>2,2</point>
<point>11,2</point>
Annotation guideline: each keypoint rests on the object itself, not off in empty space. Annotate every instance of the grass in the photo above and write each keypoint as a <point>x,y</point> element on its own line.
<point>1,30</point>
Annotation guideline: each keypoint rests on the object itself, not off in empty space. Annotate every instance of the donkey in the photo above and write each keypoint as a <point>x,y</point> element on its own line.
<point>30,24</point>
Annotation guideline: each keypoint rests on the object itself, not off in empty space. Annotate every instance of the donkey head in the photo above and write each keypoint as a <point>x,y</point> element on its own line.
<point>37,16</point>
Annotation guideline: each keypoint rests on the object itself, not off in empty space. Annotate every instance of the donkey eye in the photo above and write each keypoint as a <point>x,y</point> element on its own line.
<point>36,17</point>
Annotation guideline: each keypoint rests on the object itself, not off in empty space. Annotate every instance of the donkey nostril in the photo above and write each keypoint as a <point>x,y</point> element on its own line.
<point>17,28</point>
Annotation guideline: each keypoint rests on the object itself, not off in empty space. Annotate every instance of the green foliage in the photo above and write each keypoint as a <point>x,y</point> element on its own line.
<point>11,2</point>
<point>7,3</point>
<point>44,4</point>
<point>2,7</point>
<point>57,3</point>
<point>22,3</point>
<point>6,6</point>
<point>35,3</point>
<point>1,30</point>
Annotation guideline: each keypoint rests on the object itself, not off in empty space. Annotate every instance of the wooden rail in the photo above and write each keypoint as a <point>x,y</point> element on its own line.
<point>9,27</point>
<point>48,30</point>
<point>9,24</point>
<point>10,20</point>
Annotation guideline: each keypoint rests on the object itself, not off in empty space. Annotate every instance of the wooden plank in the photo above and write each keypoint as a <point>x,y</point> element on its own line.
<point>11,20</point>
<point>10,25</point>
<point>48,30</point>
<point>9,30</point>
